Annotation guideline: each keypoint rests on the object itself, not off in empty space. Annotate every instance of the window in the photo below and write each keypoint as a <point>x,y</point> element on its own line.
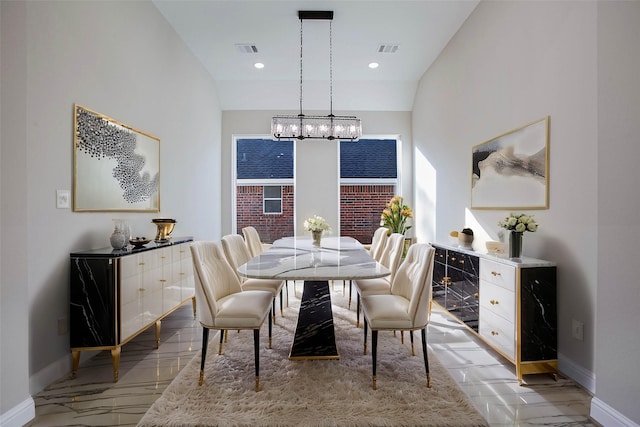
<point>272,199</point>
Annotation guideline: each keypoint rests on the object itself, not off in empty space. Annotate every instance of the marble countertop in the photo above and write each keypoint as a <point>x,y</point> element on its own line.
<point>524,262</point>
<point>337,258</point>
<point>109,252</point>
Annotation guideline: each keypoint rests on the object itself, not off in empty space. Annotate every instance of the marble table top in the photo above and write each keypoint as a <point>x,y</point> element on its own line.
<point>296,258</point>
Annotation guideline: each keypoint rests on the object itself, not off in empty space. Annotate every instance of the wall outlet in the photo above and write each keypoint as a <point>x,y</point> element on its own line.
<point>62,326</point>
<point>577,329</point>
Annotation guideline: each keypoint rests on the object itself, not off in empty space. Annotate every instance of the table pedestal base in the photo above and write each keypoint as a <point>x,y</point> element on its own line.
<point>315,336</point>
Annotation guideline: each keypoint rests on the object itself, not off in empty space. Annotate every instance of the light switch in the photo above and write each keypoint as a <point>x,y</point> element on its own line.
<point>62,199</point>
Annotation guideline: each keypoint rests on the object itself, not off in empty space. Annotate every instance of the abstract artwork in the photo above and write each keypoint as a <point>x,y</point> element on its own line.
<point>511,171</point>
<point>116,167</point>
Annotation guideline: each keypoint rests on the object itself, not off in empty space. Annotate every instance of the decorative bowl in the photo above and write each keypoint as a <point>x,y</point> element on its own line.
<point>495,247</point>
<point>139,242</point>
<point>165,227</point>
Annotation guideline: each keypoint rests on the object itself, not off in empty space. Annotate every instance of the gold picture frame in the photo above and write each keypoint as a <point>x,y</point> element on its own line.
<point>511,171</point>
<point>116,167</point>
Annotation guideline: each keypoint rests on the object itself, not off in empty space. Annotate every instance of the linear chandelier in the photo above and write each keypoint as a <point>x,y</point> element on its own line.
<point>317,127</point>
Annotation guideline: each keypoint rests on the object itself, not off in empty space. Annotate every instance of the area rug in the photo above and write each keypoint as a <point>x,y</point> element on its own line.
<point>313,392</point>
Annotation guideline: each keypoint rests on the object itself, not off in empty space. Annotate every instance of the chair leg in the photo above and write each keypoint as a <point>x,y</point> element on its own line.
<point>413,351</point>
<point>281,307</point>
<point>205,342</point>
<point>350,292</point>
<point>256,351</point>
<point>273,309</point>
<point>358,310</point>
<point>365,337</point>
<point>270,331</point>
<point>286,285</point>
<point>374,355</point>
<point>402,337</point>
<point>426,358</point>
<point>223,335</point>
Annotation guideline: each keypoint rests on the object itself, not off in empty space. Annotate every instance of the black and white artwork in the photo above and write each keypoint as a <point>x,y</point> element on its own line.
<point>511,171</point>
<point>116,167</point>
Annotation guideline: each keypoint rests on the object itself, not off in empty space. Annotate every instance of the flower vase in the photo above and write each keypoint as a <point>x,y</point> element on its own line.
<point>515,244</point>
<point>316,235</point>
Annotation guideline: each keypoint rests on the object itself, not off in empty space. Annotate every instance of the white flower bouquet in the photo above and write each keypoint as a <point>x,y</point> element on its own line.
<point>316,223</point>
<point>519,222</point>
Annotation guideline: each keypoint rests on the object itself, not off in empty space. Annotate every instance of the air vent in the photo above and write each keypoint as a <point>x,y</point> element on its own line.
<point>247,48</point>
<point>388,48</point>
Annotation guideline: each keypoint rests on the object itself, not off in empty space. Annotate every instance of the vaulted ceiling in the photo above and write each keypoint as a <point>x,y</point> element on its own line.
<point>219,32</point>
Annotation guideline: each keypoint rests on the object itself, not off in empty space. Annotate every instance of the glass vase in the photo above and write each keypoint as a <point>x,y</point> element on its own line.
<point>316,236</point>
<point>515,244</point>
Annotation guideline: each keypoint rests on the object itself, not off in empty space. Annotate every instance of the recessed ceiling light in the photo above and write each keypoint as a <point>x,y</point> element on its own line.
<point>373,65</point>
<point>259,65</point>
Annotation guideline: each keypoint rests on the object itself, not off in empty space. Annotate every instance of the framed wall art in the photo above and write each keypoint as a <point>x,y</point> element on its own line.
<point>511,171</point>
<point>116,167</point>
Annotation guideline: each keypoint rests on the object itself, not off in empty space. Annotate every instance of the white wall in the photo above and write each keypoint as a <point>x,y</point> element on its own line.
<point>121,59</point>
<point>374,123</point>
<point>515,62</point>
<point>617,340</point>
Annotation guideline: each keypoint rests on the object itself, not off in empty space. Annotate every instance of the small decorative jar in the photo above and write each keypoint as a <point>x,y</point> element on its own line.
<point>118,239</point>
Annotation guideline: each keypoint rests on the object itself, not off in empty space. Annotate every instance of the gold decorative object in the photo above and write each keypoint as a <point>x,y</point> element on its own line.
<point>165,227</point>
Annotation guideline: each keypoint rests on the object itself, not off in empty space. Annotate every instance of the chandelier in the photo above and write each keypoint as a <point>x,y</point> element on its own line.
<point>317,127</point>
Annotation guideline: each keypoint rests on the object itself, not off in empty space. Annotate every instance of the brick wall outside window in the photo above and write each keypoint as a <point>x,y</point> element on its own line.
<point>249,213</point>
<point>360,209</point>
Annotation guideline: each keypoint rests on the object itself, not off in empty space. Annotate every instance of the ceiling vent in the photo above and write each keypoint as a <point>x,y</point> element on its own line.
<point>388,48</point>
<point>247,48</point>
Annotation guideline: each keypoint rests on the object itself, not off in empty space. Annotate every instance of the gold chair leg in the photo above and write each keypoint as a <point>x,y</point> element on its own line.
<point>375,383</point>
<point>428,380</point>
<point>201,380</point>
<point>257,383</point>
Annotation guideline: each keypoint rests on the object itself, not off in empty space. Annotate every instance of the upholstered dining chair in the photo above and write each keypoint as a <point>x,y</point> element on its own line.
<point>406,308</point>
<point>378,241</point>
<point>391,258</point>
<point>222,303</point>
<point>253,241</point>
<point>237,253</point>
<point>257,246</point>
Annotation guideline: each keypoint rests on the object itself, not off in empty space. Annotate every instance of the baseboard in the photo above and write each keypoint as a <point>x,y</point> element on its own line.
<point>20,414</point>
<point>577,373</point>
<point>606,416</point>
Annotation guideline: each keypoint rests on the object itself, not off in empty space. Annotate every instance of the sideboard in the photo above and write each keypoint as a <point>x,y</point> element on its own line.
<point>117,294</point>
<point>509,303</point>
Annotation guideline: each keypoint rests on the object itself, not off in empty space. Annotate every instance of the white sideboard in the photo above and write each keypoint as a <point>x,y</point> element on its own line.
<point>117,294</point>
<point>510,304</point>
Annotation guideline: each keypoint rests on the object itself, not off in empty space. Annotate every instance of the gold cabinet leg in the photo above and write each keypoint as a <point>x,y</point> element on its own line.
<point>158,325</point>
<point>75,354</point>
<point>115,358</point>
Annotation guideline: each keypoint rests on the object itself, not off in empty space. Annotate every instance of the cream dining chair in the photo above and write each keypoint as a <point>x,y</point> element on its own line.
<point>406,308</point>
<point>222,303</point>
<point>376,248</point>
<point>391,258</point>
<point>237,253</point>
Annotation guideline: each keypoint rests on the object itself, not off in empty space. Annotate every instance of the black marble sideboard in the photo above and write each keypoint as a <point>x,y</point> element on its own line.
<point>117,294</point>
<point>510,304</point>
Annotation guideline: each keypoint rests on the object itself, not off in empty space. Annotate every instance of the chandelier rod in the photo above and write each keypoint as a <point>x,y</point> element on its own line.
<point>301,32</point>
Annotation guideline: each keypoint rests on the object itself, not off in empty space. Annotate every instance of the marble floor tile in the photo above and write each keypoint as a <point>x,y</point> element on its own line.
<point>93,399</point>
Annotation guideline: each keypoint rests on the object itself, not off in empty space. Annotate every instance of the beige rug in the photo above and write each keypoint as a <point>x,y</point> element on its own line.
<point>313,393</point>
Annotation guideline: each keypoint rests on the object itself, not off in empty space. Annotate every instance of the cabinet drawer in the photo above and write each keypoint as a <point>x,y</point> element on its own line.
<point>497,300</point>
<point>500,274</point>
<point>498,333</point>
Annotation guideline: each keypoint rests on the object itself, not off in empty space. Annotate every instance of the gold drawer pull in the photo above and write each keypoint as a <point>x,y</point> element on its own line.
<point>494,333</point>
<point>461,261</point>
<point>162,280</point>
<point>162,257</point>
<point>141,263</point>
<point>495,273</point>
<point>141,289</point>
<point>182,274</point>
<point>494,302</point>
<point>453,258</point>
<point>476,295</point>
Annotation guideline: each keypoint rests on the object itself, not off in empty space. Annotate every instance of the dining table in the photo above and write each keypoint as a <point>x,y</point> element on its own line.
<point>298,258</point>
